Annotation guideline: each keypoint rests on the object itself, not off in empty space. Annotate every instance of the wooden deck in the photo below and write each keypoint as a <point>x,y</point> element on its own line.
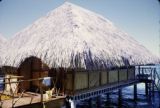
<point>28,101</point>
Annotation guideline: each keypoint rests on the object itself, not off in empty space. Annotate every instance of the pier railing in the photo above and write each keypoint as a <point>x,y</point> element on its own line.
<point>15,98</point>
<point>149,74</point>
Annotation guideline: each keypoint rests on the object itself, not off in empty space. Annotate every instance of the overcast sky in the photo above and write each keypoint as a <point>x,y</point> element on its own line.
<point>139,18</point>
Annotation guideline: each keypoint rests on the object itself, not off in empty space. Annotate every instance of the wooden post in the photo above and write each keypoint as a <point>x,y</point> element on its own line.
<point>31,74</point>
<point>100,78</point>
<point>153,82</point>
<point>107,76</point>
<point>98,102</point>
<point>88,78</point>
<point>135,73</point>
<point>135,92</point>
<point>149,92</point>
<point>139,70</point>
<point>90,102</point>
<point>73,104</point>
<point>146,89</point>
<point>108,99</point>
<point>73,81</point>
<point>118,76</point>
<point>127,72</point>
<point>120,98</point>
<point>41,91</point>
<point>108,96</point>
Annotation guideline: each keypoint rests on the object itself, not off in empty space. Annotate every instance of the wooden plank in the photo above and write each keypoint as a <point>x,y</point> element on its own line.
<point>122,74</point>
<point>26,101</point>
<point>104,77</point>
<point>94,79</point>
<point>113,76</point>
<point>131,73</point>
<point>73,82</point>
<point>35,75</point>
<point>13,76</point>
<point>107,76</point>
<point>11,87</point>
<point>81,80</point>
<point>69,80</point>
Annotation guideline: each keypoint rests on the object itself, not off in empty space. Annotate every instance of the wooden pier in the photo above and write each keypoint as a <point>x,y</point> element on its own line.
<point>28,101</point>
<point>76,93</point>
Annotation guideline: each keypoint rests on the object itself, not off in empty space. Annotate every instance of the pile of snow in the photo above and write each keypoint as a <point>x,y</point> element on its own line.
<point>70,36</point>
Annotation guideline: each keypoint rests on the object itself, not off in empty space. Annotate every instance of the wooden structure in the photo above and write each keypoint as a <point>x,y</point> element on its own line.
<point>32,68</point>
<point>68,81</point>
<point>80,84</point>
<point>84,80</point>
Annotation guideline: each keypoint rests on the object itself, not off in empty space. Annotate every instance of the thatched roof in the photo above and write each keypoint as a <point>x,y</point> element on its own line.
<point>2,49</point>
<point>70,36</point>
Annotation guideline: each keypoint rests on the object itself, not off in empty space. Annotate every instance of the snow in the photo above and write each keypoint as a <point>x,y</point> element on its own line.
<point>73,37</point>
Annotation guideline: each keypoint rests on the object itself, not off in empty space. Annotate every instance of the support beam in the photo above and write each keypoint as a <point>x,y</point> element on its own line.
<point>146,89</point>
<point>90,102</point>
<point>149,92</point>
<point>139,70</point>
<point>135,92</point>
<point>153,82</point>
<point>120,98</point>
<point>73,103</point>
<point>153,89</point>
<point>98,102</point>
<point>108,99</point>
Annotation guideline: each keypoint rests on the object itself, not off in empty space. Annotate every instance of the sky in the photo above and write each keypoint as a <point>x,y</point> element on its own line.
<point>139,18</point>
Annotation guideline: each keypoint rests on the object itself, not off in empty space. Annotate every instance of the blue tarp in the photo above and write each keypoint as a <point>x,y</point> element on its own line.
<point>47,81</point>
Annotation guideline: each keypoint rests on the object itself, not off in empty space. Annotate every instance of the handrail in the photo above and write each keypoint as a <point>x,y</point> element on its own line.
<point>29,80</point>
<point>149,73</point>
<point>21,94</point>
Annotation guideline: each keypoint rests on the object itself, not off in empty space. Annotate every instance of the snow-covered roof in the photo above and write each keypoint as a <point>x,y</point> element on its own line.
<point>2,45</point>
<point>73,37</point>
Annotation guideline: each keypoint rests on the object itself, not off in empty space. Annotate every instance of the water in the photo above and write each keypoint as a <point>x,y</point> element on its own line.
<point>127,100</point>
<point>1,85</point>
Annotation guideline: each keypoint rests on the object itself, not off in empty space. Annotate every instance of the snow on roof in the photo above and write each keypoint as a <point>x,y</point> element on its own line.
<point>73,37</point>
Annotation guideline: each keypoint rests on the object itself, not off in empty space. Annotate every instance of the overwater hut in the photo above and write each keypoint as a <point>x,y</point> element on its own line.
<point>79,49</point>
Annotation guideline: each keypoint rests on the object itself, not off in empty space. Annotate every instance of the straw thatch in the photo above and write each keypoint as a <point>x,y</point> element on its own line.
<point>2,48</point>
<point>73,37</point>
